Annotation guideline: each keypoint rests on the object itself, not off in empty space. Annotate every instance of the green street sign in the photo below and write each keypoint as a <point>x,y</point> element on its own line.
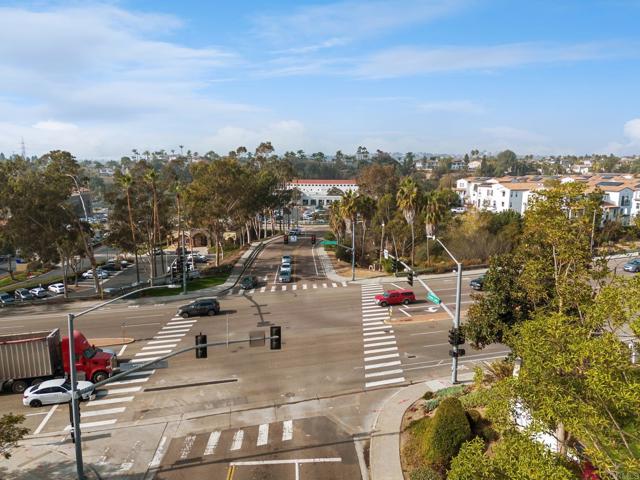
<point>329,242</point>
<point>433,298</point>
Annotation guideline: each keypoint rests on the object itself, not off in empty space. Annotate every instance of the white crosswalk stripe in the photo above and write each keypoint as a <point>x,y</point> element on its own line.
<point>212,443</point>
<point>287,430</point>
<point>84,425</point>
<point>387,381</point>
<point>106,411</point>
<point>304,287</point>
<point>237,440</point>
<point>263,434</point>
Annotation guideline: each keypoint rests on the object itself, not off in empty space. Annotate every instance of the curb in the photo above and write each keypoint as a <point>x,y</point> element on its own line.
<point>384,452</point>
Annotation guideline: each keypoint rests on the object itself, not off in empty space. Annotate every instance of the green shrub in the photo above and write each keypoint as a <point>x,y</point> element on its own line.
<point>474,417</point>
<point>477,398</point>
<point>428,395</point>
<point>450,391</point>
<point>431,405</point>
<point>425,473</point>
<point>448,429</point>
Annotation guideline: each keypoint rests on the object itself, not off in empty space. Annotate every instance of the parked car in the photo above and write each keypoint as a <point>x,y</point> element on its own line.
<point>6,299</point>
<point>286,259</point>
<point>395,297</point>
<point>38,292</point>
<point>197,258</point>
<point>204,306</point>
<point>249,282</point>
<point>477,283</point>
<point>23,294</point>
<point>56,288</point>
<point>53,391</point>
<point>458,210</point>
<point>285,276</point>
<point>181,250</point>
<point>110,267</point>
<point>632,266</point>
<point>100,273</point>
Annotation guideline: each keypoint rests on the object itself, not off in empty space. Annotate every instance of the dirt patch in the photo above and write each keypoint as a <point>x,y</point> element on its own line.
<point>419,319</point>
<point>344,268</point>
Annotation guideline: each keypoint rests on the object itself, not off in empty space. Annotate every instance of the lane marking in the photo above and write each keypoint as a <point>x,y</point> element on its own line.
<point>373,322</point>
<point>379,344</point>
<point>161,335</point>
<point>315,286</point>
<point>263,289</point>
<point>397,286</point>
<point>368,334</point>
<point>383,373</point>
<point>287,430</point>
<point>252,291</point>
<point>367,329</point>
<point>160,346</point>
<point>159,454</point>
<point>334,285</point>
<point>251,463</point>
<point>45,420</point>
<point>141,373</point>
<point>380,350</point>
<point>237,440</point>
<point>263,434</point>
<point>407,314</point>
<point>324,285</point>
<point>186,447</point>
<point>182,322</point>
<point>294,287</point>
<point>127,382</point>
<point>108,401</point>
<point>381,357</point>
<point>344,284</point>
<point>375,339</point>
<point>143,360</point>
<point>107,411</point>
<point>92,424</point>
<point>177,329</point>
<point>124,347</point>
<point>384,382</point>
<point>115,391</point>
<point>157,352</point>
<point>428,333</point>
<point>212,443</point>
<point>273,288</point>
<point>304,287</point>
<point>160,342</point>
<point>284,288</point>
<point>382,365</point>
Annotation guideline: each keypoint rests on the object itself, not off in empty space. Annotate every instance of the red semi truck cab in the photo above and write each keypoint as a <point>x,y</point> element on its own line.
<point>96,364</point>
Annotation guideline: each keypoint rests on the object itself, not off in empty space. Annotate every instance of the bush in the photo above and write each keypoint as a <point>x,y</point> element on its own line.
<point>474,417</point>
<point>477,398</point>
<point>454,391</point>
<point>431,405</point>
<point>428,395</point>
<point>425,473</point>
<point>447,431</point>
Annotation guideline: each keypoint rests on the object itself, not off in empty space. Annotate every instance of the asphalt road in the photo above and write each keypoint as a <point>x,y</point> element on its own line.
<point>340,353</point>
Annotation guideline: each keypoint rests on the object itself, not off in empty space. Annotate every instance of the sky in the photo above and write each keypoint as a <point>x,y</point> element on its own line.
<point>445,76</point>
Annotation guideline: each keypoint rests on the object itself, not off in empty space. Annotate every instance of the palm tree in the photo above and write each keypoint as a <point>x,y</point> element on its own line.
<point>151,177</point>
<point>336,221</point>
<point>367,209</point>
<point>349,211</point>
<point>407,198</point>
<point>434,210</point>
<point>126,181</point>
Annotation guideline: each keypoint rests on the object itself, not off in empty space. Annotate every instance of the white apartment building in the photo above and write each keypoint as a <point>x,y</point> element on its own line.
<point>621,192</point>
<point>321,192</point>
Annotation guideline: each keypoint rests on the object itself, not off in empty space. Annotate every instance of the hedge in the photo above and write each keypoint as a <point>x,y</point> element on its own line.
<point>447,431</point>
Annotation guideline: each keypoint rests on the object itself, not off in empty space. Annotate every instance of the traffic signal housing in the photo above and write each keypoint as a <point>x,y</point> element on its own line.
<point>276,337</point>
<point>201,352</point>
<point>410,277</point>
<point>286,239</point>
<point>456,337</point>
<point>313,239</point>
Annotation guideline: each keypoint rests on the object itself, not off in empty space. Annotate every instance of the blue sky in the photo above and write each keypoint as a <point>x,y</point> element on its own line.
<point>540,77</point>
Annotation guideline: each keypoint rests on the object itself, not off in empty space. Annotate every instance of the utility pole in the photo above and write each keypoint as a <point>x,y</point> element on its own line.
<point>75,412</point>
<point>353,250</point>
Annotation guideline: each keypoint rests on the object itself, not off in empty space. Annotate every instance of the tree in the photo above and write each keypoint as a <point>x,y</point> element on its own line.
<point>434,212</point>
<point>126,182</point>
<point>407,198</point>
<point>375,180</point>
<point>11,432</point>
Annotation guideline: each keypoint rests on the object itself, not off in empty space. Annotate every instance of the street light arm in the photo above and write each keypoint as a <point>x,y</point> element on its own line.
<point>100,305</point>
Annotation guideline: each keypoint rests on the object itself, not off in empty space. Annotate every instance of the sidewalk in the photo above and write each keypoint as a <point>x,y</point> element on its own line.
<point>384,452</point>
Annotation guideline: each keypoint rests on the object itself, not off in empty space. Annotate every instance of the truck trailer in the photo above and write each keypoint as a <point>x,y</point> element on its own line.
<point>30,358</point>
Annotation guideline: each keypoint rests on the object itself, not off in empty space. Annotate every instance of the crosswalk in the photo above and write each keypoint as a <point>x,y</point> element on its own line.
<point>113,399</point>
<point>382,364</point>
<point>219,444</point>
<point>288,287</point>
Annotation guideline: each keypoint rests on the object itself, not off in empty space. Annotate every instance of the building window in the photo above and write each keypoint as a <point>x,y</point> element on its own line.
<point>305,201</point>
<point>503,204</point>
<point>504,194</point>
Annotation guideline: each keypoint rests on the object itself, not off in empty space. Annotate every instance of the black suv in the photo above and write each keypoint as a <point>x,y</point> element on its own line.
<point>249,282</point>
<point>477,283</point>
<point>206,306</point>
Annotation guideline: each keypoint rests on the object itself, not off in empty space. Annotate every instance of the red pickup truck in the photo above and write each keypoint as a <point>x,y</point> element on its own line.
<point>396,297</point>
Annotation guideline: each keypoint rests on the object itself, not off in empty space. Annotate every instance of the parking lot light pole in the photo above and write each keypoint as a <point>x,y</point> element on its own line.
<point>75,411</point>
<point>456,318</point>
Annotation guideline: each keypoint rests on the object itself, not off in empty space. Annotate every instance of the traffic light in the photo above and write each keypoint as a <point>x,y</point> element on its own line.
<point>395,263</point>
<point>313,239</point>
<point>201,352</point>
<point>286,239</point>
<point>453,336</point>
<point>276,343</point>
<point>410,277</point>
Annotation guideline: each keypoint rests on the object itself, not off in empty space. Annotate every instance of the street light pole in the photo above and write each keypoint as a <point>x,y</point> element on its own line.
<point>456,317</point>
<point>75,413</point>
<point>381,245</point>
<point>75,410</point>
<point>353,250</point>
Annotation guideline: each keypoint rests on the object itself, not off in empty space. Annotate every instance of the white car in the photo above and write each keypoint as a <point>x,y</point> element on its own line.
<point>285,267</point>
<point>100,273</point>
<point>38,292</point>
<point>458,210</point>
<point>53,391</point>
<point>56,288</point>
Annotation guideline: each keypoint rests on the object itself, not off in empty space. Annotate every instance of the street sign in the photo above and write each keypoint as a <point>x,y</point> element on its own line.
<point>386,253</point>
<point>293,238</point>
<point>433,298</point>
<point>329,242</point>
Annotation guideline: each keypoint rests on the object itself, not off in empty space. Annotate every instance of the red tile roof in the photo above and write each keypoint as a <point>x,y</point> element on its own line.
<point>323,182</point>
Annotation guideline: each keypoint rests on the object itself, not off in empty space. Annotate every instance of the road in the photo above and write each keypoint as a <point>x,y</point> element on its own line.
<point>341,357</point>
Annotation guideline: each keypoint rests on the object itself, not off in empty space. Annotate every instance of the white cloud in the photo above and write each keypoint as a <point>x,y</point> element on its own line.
<point>53,126</point>
<point>330,43</point>
<point>403,61</point>
<point>632,130</point>
<point>280,133</point>
<point>357,18</point>
<point>452,106</point>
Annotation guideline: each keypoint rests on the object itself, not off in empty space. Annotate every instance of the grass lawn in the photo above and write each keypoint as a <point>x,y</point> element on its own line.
<point>192,286</point>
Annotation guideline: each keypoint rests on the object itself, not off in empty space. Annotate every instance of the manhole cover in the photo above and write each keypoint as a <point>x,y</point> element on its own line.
<point>289,395</point>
